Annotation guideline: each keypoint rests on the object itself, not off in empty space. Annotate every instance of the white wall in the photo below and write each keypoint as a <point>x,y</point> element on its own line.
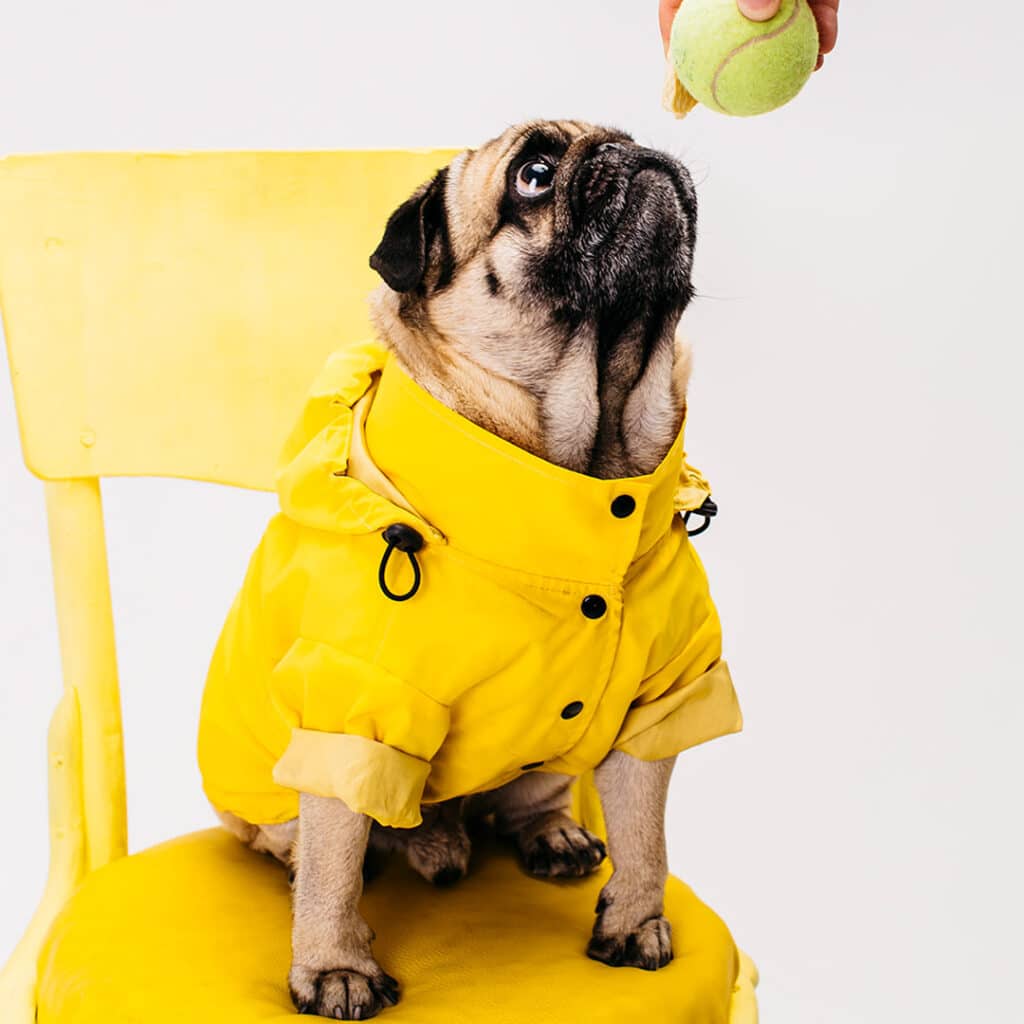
<point>856,405</point>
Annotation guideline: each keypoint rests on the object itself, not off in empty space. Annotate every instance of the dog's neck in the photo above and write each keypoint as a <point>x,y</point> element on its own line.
<point>613,409</point>
<point>607,410</point>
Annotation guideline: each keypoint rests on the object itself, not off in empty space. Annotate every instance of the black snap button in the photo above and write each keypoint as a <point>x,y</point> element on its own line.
<point>593,606</point>
<point>624,505</point>
<point>531,766</point>
<point>573,709</point>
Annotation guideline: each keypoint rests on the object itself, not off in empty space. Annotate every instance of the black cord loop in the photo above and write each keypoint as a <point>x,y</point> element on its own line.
<point>404,538</point>
<point>707,511</point>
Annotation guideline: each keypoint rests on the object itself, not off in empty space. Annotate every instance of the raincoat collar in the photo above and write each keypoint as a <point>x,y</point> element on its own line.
<point>501,504</point>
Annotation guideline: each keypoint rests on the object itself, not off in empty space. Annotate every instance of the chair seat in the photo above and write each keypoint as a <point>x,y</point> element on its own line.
<point>197,929</point>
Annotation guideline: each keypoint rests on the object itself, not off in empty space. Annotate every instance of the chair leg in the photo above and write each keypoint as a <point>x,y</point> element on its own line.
<point>744,998</point>
<point>85,623</point>
<point>68,861</point>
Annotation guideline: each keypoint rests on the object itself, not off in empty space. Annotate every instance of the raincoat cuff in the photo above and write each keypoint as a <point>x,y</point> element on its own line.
<point>369,777</point>
<point>702,710</point>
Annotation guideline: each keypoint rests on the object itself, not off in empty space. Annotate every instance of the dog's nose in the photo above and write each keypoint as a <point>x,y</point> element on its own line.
<point>605,146</point>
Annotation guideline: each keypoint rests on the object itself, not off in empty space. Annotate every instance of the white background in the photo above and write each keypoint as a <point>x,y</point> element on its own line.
<point>856,404</point>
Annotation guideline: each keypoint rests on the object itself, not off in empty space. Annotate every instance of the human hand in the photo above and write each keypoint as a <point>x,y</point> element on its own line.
<point>826,13</point>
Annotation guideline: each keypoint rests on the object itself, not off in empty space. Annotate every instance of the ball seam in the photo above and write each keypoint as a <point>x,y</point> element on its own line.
<point>746,46</point>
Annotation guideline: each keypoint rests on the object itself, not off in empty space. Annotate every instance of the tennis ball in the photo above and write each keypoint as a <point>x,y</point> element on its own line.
<point>737,66</point>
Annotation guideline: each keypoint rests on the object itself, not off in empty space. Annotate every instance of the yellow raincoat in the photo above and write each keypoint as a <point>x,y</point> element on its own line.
<point>558,617</point>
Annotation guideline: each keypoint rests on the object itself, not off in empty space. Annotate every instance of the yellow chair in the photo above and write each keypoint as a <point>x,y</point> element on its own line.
<point>133,286</point>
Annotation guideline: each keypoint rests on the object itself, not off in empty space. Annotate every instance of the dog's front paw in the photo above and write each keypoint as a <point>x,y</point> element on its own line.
<point>649,946</point>
<point>342,994</point>
<point>561,849</point>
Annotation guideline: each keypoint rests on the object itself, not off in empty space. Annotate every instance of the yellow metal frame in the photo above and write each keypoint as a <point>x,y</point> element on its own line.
<point>241,271</point>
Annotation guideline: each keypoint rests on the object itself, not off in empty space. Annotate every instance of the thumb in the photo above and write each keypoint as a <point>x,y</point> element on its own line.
<point>759,10</point>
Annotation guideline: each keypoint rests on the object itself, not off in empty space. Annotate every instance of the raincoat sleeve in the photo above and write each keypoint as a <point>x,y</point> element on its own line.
<point>688,701</point>
<point>362,735</point>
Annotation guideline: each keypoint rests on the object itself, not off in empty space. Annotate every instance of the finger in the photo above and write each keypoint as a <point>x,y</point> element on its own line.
<point>828,24</point>
<point>759,10</point>
<point>666,15</point>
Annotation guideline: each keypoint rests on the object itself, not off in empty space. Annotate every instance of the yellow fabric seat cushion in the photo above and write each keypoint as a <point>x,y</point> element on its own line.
<point>197,929</point>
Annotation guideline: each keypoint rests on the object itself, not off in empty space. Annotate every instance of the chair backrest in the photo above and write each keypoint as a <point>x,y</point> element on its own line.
<point>164,314</point>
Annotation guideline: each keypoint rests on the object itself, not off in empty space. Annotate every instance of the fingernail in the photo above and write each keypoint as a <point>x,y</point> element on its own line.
<point>759,10</point>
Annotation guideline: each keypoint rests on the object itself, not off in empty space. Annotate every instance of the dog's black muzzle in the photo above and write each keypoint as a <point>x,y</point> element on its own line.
<point>603,180</point>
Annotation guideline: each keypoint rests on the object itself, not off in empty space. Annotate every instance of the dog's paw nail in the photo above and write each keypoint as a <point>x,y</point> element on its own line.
<point>563,851</point>
<point>648,947</point>
<point>388,989</point>
<point>343,994</point>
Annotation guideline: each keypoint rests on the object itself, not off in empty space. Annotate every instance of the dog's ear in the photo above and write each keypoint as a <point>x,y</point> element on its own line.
<point>401,257</point>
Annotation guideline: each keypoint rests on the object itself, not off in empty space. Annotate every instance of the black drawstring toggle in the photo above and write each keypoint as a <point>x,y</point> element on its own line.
<point>707,511</point>
<point>406,539</point>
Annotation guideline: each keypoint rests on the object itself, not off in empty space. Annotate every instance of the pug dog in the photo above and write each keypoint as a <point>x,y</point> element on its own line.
<point>533,286</point>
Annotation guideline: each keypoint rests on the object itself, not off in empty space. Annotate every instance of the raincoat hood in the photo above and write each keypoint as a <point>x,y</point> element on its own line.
<point>560,615</point>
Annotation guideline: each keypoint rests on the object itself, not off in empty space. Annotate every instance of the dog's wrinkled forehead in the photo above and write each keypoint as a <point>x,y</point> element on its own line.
<point>478,178</point>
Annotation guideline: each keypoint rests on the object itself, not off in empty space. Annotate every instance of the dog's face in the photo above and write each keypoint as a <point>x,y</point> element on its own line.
<point>547,254</point>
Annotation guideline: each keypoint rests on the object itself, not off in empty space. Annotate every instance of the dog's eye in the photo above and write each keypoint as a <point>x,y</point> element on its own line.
<point>535,177</point>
